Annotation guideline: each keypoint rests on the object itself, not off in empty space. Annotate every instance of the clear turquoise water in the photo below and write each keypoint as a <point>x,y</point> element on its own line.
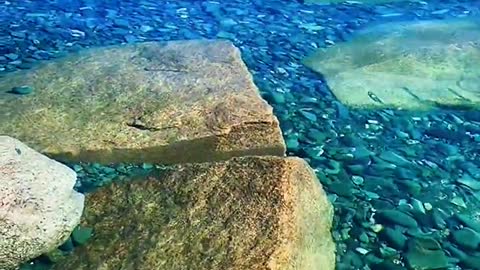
<point>422,164</point>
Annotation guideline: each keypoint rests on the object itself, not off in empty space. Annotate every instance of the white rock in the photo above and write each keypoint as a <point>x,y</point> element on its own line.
<point>38,207</point>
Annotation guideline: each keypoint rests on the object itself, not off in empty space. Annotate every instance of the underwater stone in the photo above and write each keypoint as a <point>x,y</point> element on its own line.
<point>12,56</point>
<point>394,158</point>
<point>278,98</point>
<point>394,237</point>
<point>243,213</point>
<point>466,238</point>
<point>80,235</point>
<point>469,181</point>
<point>167,102</point>
<point>316,135</point>
<point>469,222</point>
<point>310,116</point>
<point>425,254</point>
<point>407,65</point>
<point>396,217</point>
<point>22,90</point>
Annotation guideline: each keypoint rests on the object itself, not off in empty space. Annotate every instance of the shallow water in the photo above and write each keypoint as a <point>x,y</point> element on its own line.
<point>430,149</point>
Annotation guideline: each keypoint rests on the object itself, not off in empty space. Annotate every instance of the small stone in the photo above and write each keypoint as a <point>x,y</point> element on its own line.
<point>122,23</point>
<point>428,206</point>
<point>81,235</point>
<point>412,187</point>
<point>147,166</point>
<point>12,56</point>
<point>467,221</point>
<point>334,167</point>
<point>438,218</point>
<point>468,181</point>
<point>146,28</point>
<point>363,238</point>
<point>466,238</point>
<point>356,169</point>
<point>458,202</point>
<point>341,189</point>
<point>316,135</point>
<point>357,180</point>
<point>130,38</point>
<point>371,259</point>
<point>310,116</point>
<point>377,228</point>
<point>387,252</point>
<point>362,250</point>
<point>394,158</point>
<point>277,98</point>
<point>395,238</point>
<point>396,217</point>
<point>418,205</point>
<point>77,168</point>
<point>22,90</point>
<point>426,254</point>
<point>351,140</point>
<point>228,22</point>
<point>371,195</point>
<point>110,170</point>
<point>18,34</point>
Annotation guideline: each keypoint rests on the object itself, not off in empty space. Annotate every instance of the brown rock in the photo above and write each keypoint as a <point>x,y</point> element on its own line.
<point>183,101</point>
<point>245,213</point>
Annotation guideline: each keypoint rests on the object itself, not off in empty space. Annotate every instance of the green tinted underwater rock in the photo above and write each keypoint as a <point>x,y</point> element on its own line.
<point>406,65</point>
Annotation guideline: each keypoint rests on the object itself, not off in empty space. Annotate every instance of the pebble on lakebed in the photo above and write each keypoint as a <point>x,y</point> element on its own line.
<point>22,90</point>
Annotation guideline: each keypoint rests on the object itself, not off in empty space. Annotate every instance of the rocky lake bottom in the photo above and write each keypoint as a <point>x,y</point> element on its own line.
<point>405,184</point>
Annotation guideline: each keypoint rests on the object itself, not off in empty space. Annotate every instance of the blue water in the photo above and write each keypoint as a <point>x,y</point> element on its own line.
<point>274,37</point>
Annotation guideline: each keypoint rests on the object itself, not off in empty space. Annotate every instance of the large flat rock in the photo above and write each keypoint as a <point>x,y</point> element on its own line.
<point>182,101</point>
<point>407,65</point>
<point>244,213</point>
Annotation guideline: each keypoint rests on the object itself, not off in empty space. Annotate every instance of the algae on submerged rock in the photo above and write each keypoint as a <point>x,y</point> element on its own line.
<point>168,102</point>
<point>244,213</point>
<point>406,65</point>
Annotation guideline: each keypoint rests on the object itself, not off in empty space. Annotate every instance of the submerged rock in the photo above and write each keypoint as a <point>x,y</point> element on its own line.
<point>245,213</point>
<point>183,101</point>
<point>38,206</point>
<point>396,217</point>
<point>426,254</point>
<point>410,65</point>
<point>22,90</point>
<point>466,238</point>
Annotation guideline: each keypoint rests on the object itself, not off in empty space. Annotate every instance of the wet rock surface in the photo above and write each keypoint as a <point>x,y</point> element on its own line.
<point>406,65</point>
<point>143,103</point>
<point>245,213</point>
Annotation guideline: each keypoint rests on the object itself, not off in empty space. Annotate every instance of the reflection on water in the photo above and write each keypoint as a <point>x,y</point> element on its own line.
<point>379,97</point>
